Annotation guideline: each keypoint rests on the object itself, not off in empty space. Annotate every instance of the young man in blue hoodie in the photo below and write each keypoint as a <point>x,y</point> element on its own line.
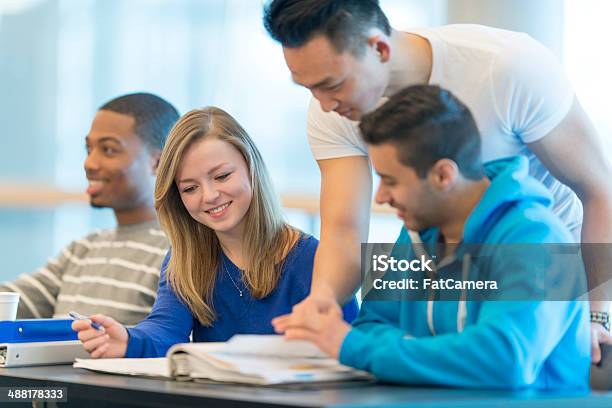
<point>425,146</point>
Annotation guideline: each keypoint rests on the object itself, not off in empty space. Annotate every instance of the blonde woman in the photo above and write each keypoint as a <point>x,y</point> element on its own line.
<point>234,264</point>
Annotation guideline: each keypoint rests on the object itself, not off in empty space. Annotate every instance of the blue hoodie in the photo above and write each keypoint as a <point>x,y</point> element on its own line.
<point>483,344</point>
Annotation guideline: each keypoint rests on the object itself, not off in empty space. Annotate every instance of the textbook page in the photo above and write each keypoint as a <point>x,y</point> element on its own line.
<point>271,345</point>
<point>150,367</point>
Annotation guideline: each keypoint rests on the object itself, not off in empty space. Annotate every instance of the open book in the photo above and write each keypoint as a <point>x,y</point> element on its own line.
<point>247,359</point>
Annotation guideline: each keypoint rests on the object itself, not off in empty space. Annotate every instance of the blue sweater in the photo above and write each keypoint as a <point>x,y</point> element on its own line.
<point>503,344</point>
<point>171,321</point>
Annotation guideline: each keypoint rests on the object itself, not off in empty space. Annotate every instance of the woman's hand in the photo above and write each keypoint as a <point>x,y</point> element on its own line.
<point>108,342</point>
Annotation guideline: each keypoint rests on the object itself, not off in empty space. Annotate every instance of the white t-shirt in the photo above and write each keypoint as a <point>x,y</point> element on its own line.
<point>514,86</point>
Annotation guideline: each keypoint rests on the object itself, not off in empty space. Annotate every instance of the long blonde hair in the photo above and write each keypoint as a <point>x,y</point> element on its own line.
<point>196,250</point>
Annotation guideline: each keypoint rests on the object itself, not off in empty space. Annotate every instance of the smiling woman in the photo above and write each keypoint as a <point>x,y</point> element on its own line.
<point>235,263</point>
<point>221,180</point>
<point>214,184</point>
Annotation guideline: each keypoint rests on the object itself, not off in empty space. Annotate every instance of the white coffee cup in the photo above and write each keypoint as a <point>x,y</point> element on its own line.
<point>8,305</point>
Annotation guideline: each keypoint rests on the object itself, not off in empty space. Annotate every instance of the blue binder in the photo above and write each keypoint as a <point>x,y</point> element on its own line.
<point>36,330</point>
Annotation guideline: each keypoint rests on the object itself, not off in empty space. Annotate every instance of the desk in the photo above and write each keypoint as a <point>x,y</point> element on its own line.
<point>89,389</point>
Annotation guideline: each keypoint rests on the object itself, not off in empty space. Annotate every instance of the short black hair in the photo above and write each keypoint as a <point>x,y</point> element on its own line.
<point>153,116</point>
<point>427,123</point>
<point>343,22</point>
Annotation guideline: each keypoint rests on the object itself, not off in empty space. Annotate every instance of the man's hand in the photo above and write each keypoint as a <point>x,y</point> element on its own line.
<point>320,301</point>
<point>318,319</point>
<point>599,335</point>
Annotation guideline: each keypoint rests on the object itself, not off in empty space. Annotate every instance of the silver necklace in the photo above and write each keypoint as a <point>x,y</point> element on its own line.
<point>230,276</point>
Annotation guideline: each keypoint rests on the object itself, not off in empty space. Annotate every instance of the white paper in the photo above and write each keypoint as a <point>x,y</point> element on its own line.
<point>271,345</point>
<point>151,367</point>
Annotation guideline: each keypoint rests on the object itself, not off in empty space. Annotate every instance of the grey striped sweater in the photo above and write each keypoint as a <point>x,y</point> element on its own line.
<point>114,272</point>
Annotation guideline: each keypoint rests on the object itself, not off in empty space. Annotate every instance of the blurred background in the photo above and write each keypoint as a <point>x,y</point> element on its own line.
<point>61,59</point>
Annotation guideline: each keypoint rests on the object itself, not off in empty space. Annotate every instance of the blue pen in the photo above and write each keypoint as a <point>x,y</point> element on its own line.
<point>78,316</point>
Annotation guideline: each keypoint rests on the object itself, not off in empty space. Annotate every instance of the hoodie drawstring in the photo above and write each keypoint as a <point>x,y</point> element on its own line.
<point>461,307</point>
<point>417,245</point>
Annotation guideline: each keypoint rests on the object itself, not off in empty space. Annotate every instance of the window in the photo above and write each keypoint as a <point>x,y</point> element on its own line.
<point>588,61</point>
